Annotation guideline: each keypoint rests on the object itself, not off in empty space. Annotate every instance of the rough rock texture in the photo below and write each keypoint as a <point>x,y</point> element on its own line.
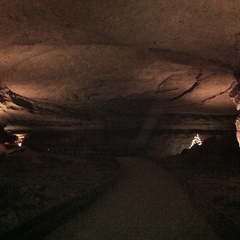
<point>99,64</point>
<point>38,182</point>
<point>115,88</point>
<point>235,95</point>
<point>209,29</point>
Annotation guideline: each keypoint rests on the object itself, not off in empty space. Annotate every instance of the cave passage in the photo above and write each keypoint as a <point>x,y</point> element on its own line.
<point>148,203</point>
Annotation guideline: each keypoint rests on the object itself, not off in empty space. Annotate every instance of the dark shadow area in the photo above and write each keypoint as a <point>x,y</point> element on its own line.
<point>211,173</point>
<point>74,163</point>
<point>46,180</point>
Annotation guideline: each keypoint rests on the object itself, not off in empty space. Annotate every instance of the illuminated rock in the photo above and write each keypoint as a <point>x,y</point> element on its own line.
<point>196,140</point>
<point>103,64</point>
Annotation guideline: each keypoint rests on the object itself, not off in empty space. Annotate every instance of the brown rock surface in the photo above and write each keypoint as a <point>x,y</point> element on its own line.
<point>99,57</point>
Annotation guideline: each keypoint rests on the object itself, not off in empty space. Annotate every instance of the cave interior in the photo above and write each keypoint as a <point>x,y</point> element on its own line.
<point>122,78</point>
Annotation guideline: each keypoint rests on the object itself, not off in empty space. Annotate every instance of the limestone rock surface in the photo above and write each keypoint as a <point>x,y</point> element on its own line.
<point>105,63</point>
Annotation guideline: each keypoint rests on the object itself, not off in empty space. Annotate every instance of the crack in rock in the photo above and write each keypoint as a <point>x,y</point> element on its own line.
<point>20,101</point>
<point>189,90</point>
<point>199,75</point>
<point>219,94</point>
<point>8,97</point>
<point>167,79</point>
<point>167,90</point>
<point>185,92</point>
<point>194,86</point>
<point>204,78</point>
<point>234,94</point>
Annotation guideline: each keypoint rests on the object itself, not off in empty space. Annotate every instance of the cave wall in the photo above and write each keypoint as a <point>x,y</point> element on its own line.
<point>207,29</point>
<point>118,64</point>
<point>125,88</point>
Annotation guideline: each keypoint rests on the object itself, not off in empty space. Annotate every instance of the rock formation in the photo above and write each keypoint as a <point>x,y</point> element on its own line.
<point>118,64</point>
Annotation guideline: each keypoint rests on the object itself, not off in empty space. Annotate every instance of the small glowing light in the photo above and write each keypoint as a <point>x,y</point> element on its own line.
<point>196,140</point>
<point>20,139</point>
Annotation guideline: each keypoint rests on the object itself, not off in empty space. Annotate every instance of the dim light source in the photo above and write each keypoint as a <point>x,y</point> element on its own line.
<point>196,140</point>
<point>20,139</point>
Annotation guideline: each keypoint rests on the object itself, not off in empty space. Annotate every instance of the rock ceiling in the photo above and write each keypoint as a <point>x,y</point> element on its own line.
<point>117,61</point>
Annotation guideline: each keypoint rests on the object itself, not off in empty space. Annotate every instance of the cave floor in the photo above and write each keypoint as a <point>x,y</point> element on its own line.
<point>147,203</point>
<point>32,183</point>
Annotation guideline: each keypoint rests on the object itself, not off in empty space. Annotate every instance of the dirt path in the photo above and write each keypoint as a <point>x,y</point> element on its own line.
<point>147,203</point>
